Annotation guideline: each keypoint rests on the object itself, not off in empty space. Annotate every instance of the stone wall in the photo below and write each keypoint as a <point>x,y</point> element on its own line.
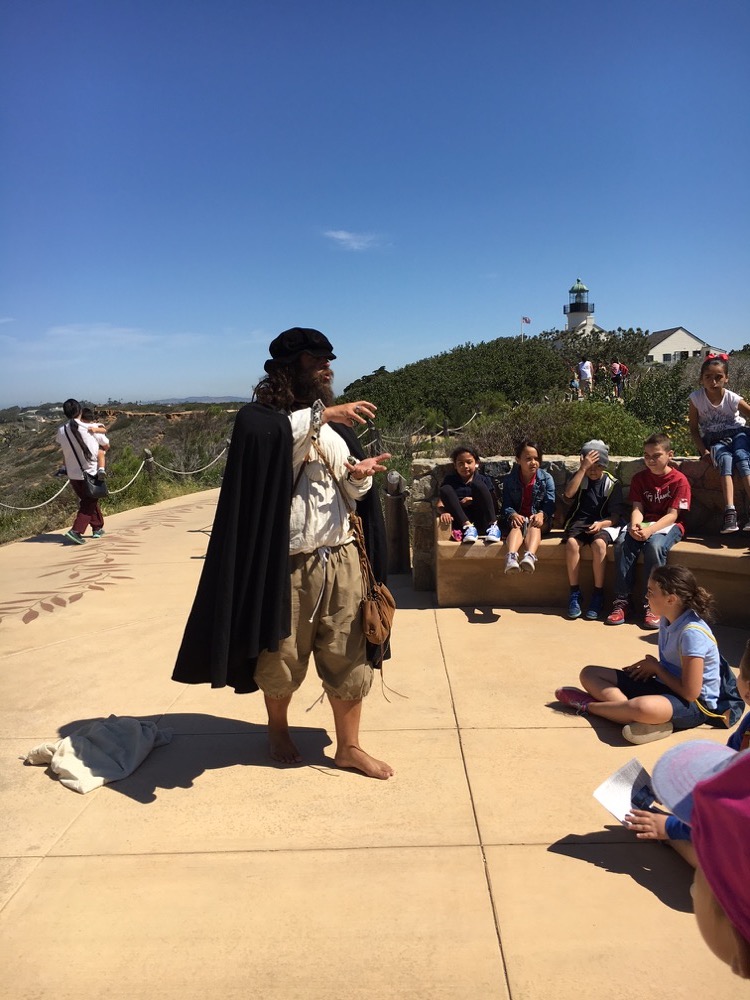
<point>704,517</point>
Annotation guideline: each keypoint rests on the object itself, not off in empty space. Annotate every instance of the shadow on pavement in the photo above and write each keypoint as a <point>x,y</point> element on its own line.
<point>654,866</point>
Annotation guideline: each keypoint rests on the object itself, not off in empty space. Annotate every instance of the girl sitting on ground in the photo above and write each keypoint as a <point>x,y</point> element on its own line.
<point>528,506</point>
<point>653,697</point>
<point>648,825</point>
<point>467,499</point>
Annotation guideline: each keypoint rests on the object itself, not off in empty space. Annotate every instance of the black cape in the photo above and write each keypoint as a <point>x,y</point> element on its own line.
<point>242,605</point>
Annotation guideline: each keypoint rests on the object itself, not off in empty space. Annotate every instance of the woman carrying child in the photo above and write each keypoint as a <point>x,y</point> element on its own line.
<point>653,697</point>
<point>718,426</point>
<point>467,499</point>
<point>528,506</point>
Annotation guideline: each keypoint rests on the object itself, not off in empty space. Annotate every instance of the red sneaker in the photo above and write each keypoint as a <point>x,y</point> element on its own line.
<point>619,611</point>
<point>650,620</point>
<point>575,698</point>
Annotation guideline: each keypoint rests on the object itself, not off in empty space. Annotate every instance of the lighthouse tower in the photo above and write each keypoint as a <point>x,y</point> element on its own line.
<point>579,310</point>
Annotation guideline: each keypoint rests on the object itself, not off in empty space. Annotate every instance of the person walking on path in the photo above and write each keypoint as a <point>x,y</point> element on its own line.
<point>80,449</point>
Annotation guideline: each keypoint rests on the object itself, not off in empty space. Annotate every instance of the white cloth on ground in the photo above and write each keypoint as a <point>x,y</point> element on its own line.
<point>99,752</point>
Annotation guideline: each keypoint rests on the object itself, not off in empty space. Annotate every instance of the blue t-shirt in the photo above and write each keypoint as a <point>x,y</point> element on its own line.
<point>689,635</point>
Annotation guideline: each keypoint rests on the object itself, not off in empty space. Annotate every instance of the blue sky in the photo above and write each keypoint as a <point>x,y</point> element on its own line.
<point>183,179</point>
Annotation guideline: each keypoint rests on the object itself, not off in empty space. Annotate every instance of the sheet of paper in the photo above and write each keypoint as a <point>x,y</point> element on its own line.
<point>629,786</point>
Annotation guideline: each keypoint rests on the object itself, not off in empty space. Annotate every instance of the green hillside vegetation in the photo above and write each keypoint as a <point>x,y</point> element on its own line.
<point>509,390</point>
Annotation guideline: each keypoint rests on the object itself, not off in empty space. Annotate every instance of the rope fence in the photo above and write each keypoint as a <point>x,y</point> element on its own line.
<point>148,460</point>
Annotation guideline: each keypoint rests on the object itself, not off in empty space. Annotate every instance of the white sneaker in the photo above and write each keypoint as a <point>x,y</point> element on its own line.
<point>528,563</point>
<point>511,563</point>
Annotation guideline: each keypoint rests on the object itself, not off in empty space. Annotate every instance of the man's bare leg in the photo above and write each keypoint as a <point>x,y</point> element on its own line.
<point>346,717</point>
<point>279,741</point>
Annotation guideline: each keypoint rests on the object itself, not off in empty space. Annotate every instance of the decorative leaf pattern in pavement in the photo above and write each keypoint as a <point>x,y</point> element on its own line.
<point>100,564</point>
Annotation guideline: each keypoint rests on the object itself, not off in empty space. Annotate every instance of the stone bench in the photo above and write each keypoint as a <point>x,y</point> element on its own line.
<point>469,575</point>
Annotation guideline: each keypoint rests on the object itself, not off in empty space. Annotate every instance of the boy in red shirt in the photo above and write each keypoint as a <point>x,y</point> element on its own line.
<point>660,496</point>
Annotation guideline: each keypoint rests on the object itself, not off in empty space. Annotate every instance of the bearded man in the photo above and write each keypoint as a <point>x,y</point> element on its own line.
<point>282,578</point>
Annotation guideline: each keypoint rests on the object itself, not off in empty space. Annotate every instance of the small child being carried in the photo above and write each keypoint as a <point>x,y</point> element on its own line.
<point>99,432</point>
<point>467,499</point>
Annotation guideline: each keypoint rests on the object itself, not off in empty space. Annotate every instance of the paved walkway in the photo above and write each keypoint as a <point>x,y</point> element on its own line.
<point>483,869</point>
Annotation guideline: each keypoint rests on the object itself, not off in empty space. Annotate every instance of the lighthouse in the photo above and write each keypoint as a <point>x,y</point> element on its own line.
<point>579,310</point>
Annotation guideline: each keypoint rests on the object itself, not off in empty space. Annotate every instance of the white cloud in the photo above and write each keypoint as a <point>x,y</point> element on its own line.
<point>353,241</point>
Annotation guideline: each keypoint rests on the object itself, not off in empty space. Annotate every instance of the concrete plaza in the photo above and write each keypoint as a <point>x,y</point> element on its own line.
<point>483,869</point>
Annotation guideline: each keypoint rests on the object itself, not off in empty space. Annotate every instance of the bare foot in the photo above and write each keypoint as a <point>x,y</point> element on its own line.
<point>282,748</point>
<point>355,757</point>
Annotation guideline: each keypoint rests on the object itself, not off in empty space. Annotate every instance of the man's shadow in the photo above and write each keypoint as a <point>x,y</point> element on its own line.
<point>203,743</point>
<point>653,865</point>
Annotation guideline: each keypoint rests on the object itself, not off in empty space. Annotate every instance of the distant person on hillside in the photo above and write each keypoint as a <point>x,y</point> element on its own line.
<point>467,499</point>
<point>80,449</point>
<point>585,375</point>
<point>718,426</point>
<point>615,370</point>
<point>574,384</point>
<point>100,433</point>
<point>528,506</point>
<point>593,520</point>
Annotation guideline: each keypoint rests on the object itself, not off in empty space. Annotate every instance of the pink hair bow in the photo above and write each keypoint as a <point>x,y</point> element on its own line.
<point>719,357</point>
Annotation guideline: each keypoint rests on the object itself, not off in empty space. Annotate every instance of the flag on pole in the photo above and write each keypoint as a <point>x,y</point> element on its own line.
<point>525,319</point>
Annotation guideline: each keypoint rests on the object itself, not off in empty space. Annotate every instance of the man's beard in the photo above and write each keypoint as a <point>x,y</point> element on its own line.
<point>311,385</point>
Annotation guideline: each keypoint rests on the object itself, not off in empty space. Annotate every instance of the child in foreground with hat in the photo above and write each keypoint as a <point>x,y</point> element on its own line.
<point>596,506</point>
<point>653,697</point>
<point>708,787</point>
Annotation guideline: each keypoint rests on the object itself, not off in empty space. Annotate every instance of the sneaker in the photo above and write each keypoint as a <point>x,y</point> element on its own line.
<point>574,698</point>
<point>470,534</point>
<point>75,537</point>
<point>457,535</point>
<point>101,474</point>
<point>594,612</point>
<point>511,563</point>
<point>574,605</point>
<point>528,563</point>
<point>99,533</point>
<point>729,525</point>
<point>619,611</point>
<point>492,534</point>
<point>650,620</point>
<point>643,732</point>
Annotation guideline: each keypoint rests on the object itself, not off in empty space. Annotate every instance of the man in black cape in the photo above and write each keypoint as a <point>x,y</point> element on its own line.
<point>280,513</point>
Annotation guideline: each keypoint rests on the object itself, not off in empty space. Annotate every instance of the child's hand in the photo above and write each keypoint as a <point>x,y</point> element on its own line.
<point>647,825</point>
<point>465,500</point>
<point>516,521</point>
<point>643,670</point>
<point>445,517</point>
<point>536,520</point>
<point>593,528</point>
<point>589,460</point>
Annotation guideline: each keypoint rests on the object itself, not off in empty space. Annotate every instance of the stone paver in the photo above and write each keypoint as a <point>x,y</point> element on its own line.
<point>483,869</point>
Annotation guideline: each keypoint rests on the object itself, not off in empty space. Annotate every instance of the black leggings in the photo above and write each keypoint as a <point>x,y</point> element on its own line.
<point>481,510</point>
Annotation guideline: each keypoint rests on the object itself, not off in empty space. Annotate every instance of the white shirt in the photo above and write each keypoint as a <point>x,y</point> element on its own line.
<point>102,439</point>
<point>318,515</point>
<point>585,371</point>
<point>70,456</point>
<point>718,417</point>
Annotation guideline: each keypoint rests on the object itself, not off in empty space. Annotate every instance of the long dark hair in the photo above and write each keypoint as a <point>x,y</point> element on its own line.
<point>678,580</point>
<point>276,389</point>
<point>72,409</point>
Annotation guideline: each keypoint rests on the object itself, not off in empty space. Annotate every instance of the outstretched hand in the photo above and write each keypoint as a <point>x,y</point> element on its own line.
<point>350,414</point>
<point>368,466</point>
